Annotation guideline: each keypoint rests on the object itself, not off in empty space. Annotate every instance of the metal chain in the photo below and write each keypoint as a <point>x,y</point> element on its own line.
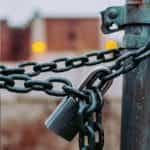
<point>90,108</point>
<point>91,135</point>
<point>8,76</point>
<point>63,64</point>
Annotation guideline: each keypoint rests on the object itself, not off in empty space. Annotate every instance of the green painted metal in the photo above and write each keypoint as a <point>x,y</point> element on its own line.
<point>134,18</point>
<point>135,132</point>
<point>115,18</point>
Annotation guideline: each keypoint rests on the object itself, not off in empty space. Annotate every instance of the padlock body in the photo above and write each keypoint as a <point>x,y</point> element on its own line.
<point>64,120</point>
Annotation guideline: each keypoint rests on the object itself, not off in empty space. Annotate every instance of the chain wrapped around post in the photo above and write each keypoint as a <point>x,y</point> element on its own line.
<point>123,63</point>
<point>83,106</point>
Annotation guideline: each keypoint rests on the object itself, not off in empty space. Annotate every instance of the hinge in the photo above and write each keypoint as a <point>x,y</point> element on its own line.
<point>115,18</point>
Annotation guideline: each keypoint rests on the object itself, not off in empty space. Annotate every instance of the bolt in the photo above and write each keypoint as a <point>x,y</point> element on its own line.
<point>113,13</point>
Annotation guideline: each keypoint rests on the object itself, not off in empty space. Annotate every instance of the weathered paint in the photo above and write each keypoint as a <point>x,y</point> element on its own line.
<point>136,93</point>
<point>135,2</point>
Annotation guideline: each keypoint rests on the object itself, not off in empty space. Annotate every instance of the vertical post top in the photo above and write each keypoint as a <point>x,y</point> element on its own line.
<point>138,2</point>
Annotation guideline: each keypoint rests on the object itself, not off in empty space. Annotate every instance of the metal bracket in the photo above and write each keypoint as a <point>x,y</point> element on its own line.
<point>115,18</point>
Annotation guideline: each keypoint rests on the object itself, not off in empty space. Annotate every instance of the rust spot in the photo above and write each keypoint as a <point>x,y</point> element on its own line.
<point>135,2</point>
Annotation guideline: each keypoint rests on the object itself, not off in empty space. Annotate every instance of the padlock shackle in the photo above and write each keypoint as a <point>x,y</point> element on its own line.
<point>103,86</point>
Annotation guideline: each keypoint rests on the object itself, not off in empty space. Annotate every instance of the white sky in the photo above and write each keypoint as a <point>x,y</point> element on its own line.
<point>18,11</point>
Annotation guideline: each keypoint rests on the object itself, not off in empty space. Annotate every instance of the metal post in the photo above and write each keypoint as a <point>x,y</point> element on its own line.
<point>135,132</point>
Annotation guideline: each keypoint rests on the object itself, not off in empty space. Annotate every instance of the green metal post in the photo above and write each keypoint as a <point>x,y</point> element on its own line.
<point>135,132</point>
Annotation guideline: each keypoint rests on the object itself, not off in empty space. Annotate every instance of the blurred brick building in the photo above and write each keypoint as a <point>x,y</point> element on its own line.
<point>14,42</point>
<point>73,33</point>
<point>5,41</point>
<point>59,33</point>
<point>20,43</point>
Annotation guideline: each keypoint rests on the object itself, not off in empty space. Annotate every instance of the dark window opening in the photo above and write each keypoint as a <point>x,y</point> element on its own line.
<point>72,36</point>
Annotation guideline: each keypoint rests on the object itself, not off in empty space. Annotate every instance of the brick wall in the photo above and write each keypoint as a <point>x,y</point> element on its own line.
<point>73,34</point>
<point>14,42</point>
<point>5,41</point>
<point>20,43</point>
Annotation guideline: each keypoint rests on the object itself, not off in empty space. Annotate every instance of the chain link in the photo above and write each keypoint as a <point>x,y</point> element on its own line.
<point>29,64</point>
<point>17,88</point>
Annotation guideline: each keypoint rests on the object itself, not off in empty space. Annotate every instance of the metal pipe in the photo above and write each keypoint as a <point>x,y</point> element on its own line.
<point>135,130</point>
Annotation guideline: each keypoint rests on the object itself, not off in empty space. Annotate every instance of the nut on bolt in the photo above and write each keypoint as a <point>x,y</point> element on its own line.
<point>113,13</point>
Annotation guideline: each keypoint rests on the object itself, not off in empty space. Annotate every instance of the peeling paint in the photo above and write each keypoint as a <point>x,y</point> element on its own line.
<point>137,2</point>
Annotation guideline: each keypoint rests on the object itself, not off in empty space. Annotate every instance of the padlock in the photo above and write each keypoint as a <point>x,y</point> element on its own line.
<point>64,120</point>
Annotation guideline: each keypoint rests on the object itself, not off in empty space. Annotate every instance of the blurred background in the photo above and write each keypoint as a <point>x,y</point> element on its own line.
<point>43,30</point>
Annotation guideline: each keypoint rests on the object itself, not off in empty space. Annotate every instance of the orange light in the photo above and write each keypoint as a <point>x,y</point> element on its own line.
<point>111,44</point>
<point>39,47</point>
